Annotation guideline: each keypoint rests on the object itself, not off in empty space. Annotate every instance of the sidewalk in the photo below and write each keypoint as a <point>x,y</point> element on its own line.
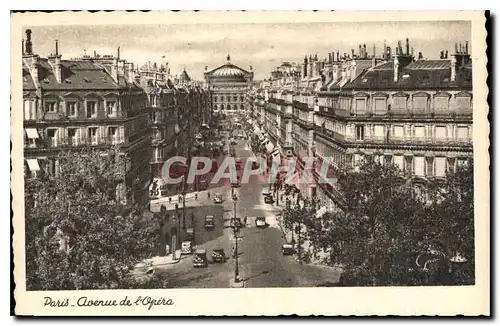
<point>202,200</point>
<point>147,266</point>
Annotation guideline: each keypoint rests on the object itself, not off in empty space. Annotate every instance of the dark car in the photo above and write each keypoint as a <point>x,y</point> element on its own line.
<point>260,222</point>
<point>219,256</point>
<point>203,185</point>
<point>200,258</point>
<point>269,200</point>
<point>209,222</point>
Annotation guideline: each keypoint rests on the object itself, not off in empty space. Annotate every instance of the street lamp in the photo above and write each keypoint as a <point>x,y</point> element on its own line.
<point>236,231</point>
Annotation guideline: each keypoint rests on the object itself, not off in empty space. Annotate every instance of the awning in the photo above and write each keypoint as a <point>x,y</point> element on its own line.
<point>33,164</point>
<point>31,133</point>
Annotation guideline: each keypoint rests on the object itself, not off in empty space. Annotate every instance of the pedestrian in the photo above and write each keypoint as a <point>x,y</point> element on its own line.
<point>167,250</point>
<point>208,195</point>
<point>170,200</point>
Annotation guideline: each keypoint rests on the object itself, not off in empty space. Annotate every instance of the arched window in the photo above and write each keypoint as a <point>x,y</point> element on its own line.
<point>229,106</point>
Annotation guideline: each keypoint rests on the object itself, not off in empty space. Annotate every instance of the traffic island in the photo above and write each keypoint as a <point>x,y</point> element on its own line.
<point>234,284</point>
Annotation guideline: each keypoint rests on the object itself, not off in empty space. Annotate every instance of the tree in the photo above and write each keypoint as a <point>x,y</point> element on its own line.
<point>388,225</point>
<point>78,236</point>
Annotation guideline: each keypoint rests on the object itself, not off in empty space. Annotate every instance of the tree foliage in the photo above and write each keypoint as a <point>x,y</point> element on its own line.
<point>390,222</point>
<point>77,235</point>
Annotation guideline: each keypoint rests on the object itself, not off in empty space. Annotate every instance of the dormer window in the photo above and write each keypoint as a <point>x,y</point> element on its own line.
<point>91,109</point>
<point>111,108</point>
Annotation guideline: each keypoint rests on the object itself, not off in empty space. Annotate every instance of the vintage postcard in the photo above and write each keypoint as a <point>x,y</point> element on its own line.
<point>250,163</point>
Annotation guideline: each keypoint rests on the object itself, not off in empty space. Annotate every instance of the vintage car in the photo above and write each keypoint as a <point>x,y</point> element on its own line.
<point>288,249</point>
<point>200,258</point>
<point>218,198</point>
<point>209,222</point>
<point>186,248</point>
<point>190,234</point>
<point>219,256</point>
<point>269,199</point>
<point>260,222</point>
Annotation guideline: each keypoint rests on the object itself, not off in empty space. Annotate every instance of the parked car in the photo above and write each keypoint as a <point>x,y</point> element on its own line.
<point>186,248</point>
<point>217,198</point>
<point>219,256</point>
<point>288,249</point>
<point>209,222</point>
<point>260,222</point>
<point>269,199</point>
<point>190,234</point>
<point>200,258</point>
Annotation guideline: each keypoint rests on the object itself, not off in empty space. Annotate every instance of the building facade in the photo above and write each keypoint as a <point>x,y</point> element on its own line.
<point>90,101</point>
<point>399,108</point>
<point>228,85</point>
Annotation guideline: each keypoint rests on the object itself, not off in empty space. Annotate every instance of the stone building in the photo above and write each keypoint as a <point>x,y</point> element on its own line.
<point>228,86</point>
<point>90,101</point>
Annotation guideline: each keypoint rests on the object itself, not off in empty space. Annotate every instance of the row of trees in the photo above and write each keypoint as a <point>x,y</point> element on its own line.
<point>395,231</point>
<point>77,235</point>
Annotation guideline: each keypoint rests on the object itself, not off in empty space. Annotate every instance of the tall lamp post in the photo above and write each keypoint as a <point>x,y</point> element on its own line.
<point>236,230</point>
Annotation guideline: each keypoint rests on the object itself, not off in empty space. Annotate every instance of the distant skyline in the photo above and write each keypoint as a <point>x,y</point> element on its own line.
<point>262,46</point>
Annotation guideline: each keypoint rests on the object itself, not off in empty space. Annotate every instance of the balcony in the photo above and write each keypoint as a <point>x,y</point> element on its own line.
<point>329,133</point>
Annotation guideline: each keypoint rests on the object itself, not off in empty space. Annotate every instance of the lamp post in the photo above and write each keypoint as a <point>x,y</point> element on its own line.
<point>236,231</point>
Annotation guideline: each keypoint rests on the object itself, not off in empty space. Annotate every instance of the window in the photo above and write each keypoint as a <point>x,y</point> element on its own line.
<point>71,109</point>
<point>419,164</point>
<point>462,162</point>
<point>462,133</point>
<point>429,166</point>
<point>399,131</point>
<point>420,103</point>
<point>235,98</point>
<point>51,137</point>
<point>440,163</point>
<point>441,103</point>
<point>92,135</point>
<point>222,106</point>
<point>360,132</point>
<point>241,99</point>
<point>399,103</point>
<point>399,161</point>
<point>50,107</point>
<point>110,107</point>
<point>440,132</point>
<point>91,109</point>
<point>358,160</point>
<point>360,105</point>
<point>378,131</point>
<point>380,106</point>
<point>242,107</point>
<point>215,98</point>
<point>113,135</point>
<point>451,164</point>
<point>72,136</point>
<point>419,131</point>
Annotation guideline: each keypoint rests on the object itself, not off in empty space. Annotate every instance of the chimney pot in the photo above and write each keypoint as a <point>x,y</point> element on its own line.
<point>396,69</point>
<point>453,68</point>
<point>466,47</point>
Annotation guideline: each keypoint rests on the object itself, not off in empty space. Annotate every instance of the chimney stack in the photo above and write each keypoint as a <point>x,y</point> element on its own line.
<point>365,55</point>
<point>466,47</point>
<point>441,55</point>
<point>396,69</point>
<point>118,53</point>
<point>22,46</point>
<point>55,63</point>
<point>456,48</point>
<point>420,56</point>
<point>407,47</point>
<point>446,54</point>
<point>360,51</point>
<point>330,58</point>
<point>453,68</point>
<point>338,56</point>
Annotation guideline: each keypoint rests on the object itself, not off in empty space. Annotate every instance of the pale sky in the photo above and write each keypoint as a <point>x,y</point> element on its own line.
<point>262,46</point>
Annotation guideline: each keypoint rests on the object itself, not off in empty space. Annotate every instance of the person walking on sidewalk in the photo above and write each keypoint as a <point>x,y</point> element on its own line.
<point>208,195</point>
